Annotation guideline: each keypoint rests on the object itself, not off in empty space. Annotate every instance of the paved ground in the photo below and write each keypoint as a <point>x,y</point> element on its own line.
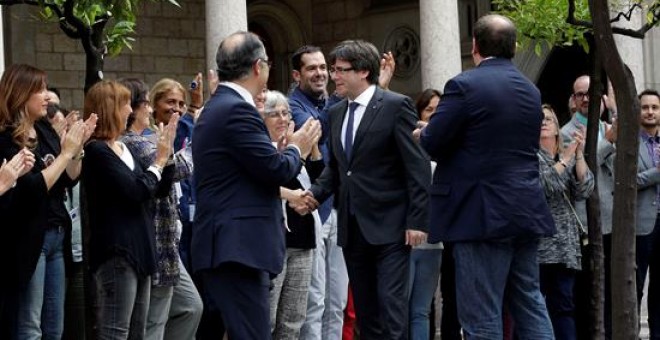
<point>643,335</point>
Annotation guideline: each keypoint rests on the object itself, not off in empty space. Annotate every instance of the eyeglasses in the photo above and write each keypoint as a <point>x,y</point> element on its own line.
<point>340,70</point>
<point>276,114</point>
<point>581,95</point>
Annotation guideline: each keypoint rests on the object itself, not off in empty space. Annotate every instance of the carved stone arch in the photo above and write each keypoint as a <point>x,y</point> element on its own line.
<point>281,29</point>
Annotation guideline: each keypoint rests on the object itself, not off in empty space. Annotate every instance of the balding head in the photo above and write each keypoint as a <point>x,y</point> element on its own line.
<point>495,36</point>
<point>236,55</point>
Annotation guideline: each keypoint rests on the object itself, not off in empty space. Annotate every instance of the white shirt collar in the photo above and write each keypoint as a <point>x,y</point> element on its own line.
<point>243,92</point>
<point>365,97</point>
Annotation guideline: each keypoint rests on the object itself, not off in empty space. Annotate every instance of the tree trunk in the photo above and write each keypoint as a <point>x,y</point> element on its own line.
<point>595,267</point>
<point>624,296</point>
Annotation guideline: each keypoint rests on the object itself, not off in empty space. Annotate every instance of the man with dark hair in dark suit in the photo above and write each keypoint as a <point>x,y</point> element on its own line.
<point>380,177</point>
<point>238,236</point>
<point>486,196</point>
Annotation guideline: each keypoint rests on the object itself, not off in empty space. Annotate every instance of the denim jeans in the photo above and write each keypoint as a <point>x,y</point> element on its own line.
<point>41,302</point>
<point>490,273</point>
<point>557,283</point>
<point>122,300</point>
<point>424,275</point>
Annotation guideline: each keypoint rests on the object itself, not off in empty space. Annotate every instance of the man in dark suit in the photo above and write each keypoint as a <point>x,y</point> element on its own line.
<point>486,196</point>
<point>380,177</point>
<point>238,237</point>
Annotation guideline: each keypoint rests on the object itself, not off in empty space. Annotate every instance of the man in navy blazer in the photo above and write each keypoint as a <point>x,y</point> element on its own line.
<point>238,236</point>
<point>380,178</point>
<point>486,196</point>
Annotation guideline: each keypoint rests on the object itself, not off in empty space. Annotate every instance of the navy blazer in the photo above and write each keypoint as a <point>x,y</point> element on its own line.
<point>238,172</point>
<point>484,137</point>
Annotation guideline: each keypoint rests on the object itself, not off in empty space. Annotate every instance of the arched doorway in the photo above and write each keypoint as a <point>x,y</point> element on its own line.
<point>556,80</point>
<point>280,29</point>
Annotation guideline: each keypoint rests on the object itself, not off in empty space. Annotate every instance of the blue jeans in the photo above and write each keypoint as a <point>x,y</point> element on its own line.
<point>494,273</point>
<point>424,275</point>
<point>557,283</point>
<point>121,300</point>
<point>41,302</point>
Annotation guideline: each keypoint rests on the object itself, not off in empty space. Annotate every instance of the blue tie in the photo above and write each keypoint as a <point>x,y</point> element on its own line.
<point>348,137</point>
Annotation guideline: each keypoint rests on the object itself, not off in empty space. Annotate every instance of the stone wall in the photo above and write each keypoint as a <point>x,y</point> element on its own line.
<point>169,43</point>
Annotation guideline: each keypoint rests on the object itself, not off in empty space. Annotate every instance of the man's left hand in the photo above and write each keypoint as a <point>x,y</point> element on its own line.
<point>415,237</point>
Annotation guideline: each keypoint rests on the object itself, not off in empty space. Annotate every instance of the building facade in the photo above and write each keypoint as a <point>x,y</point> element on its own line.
<point>431,40</point>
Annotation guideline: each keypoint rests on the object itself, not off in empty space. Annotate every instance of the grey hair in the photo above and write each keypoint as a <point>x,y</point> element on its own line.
<point>273,99</point>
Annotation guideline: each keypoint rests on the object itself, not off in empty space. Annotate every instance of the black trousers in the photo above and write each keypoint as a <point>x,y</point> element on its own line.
<point>379,277</point>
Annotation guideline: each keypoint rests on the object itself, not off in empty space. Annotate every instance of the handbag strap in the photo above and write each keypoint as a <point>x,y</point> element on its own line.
<point>580,226</point>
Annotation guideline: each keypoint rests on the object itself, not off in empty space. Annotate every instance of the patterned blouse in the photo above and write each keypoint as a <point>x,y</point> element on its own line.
<point>166,214</point>
<point>564,246</point>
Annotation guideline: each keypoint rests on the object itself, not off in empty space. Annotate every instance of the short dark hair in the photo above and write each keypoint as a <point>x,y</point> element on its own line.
<point>139,92</point>
<point>648,92</point>
<point>362,55</point>
<point>494,38</point>
<point>424,99</point>
<point>235,57</point>
<point>296,58</point>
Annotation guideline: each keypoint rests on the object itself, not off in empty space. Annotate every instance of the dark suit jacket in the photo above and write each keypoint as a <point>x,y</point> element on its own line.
<point>485,136</point>
<point>386,181</point>
<point>238,173</point>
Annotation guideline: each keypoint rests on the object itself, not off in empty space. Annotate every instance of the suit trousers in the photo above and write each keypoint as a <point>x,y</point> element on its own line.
<point>241,295</point>
<point>379,278</point>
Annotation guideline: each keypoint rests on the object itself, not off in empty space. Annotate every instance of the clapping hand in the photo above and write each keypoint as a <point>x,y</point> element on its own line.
<point>417,133</point>
<point>18,166</point>
<point>306,137</point>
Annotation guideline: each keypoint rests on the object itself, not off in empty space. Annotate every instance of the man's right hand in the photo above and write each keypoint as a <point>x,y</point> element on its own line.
<point>305,204</point>
<point>306,137</point>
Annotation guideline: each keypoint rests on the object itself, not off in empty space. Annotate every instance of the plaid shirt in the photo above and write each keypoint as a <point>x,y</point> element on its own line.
<point>166,214</point>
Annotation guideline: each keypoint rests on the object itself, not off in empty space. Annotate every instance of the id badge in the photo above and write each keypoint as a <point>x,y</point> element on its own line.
<point>74,214</point>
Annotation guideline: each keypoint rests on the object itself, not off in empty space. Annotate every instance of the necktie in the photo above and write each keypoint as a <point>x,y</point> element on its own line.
<point>348,137</point>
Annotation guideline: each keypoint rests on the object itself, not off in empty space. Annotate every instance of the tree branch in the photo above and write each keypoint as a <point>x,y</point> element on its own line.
<point>70,31</point>
<point>639,33</point>
<point>627,14</point>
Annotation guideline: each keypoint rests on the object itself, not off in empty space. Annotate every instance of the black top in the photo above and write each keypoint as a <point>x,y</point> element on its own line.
<point>33,208</point>
<point>302,234</point>
<point>120,221</point>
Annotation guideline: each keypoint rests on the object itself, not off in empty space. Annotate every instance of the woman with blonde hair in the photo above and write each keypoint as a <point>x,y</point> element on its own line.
<point>118,191</point>
<point>37,227</point>
<point>175,307</point>
<point>565,178</point>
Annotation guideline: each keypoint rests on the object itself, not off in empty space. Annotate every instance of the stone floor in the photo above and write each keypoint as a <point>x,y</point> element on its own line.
<point>643,334</point>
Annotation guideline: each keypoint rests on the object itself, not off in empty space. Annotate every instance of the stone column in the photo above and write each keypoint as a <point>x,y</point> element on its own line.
<point>223,17</point>
<point>632,49</point>
<point>439,35</point>
<point>651,58</point>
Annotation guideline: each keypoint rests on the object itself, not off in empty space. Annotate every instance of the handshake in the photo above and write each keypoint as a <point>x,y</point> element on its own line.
<point>302,201</point>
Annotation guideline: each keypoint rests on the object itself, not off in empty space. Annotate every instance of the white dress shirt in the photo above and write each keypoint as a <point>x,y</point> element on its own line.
<point>363,99</point>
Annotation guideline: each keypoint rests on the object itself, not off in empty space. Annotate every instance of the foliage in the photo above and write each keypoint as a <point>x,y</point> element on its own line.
<point>552,22</point>
<point>117,17</point>
<point>544,22</point>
